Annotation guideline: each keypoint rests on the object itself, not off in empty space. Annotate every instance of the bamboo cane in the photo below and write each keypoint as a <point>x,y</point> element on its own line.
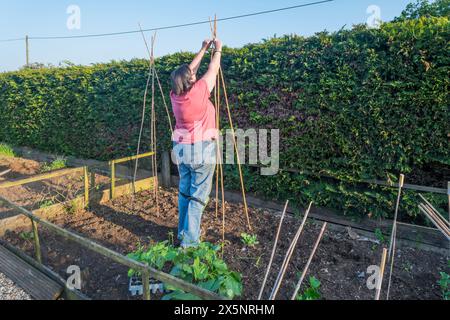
<point>437,218</point>
<point>441,228</point>
<point>219,167</point>
<point>147,85</point>
<point>288,256</point>
<point>5,172</point>
<point>241,176</point>
<point>394,225</point>
<point>433,209</point>
<point>299,284</point>
<point>273,251</point>
<point>381,275</point>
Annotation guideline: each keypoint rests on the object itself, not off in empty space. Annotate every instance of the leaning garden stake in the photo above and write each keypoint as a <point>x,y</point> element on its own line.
<point>392,244</point>
<point>273,251</point>
<point>305,271</point>
<point>288,256</point>
<point>394,224</point>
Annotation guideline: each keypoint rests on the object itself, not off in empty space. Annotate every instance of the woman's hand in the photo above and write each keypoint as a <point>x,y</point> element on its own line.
<point>218,44</point>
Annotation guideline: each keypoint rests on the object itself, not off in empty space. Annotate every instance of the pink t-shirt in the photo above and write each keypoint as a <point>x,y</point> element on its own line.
<point>195,115</point>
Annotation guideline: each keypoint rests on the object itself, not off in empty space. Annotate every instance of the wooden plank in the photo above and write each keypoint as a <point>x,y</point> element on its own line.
<point>39,177</point>
<point>31,280</point>
<point>407,186</point>
<point>5,172</point>
<point>141,185</point>
<point>68,294</point>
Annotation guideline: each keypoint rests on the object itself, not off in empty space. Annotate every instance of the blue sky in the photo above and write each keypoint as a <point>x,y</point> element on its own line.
<point>49,18</point>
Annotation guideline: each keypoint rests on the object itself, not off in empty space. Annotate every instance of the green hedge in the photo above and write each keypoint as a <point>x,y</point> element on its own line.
<point>352,105</point>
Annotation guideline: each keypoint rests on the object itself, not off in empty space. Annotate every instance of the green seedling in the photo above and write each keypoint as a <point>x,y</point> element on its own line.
<point>57,164</point>
<point>28,236</point>
<point>380,236</point>
<point>250,240</point>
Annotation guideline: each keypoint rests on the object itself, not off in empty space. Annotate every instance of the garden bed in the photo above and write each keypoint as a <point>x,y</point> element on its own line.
<point>125,223</point>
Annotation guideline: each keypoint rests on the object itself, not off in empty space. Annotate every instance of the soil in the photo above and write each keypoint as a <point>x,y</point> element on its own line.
<point>340,262</point>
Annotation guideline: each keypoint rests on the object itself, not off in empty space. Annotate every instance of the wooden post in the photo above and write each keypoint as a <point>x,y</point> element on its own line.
<point>37,244</point>
<point>86,187</point>
<point>165,169</point>
<point>27,48</point>
<point>146,284</point>
<point>113,179</point>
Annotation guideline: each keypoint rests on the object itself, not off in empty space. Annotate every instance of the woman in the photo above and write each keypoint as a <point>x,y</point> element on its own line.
<point>194,140</point>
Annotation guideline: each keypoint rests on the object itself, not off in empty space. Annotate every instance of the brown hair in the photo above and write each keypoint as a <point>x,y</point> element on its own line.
<point>181,80</point>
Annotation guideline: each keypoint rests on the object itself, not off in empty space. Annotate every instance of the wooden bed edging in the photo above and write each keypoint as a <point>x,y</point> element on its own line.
<point>117,257</point>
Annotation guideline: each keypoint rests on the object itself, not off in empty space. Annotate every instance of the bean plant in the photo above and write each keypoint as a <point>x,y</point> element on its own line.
<point>200,266</point>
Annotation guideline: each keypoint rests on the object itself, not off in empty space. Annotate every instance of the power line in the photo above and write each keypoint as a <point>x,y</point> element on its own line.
<point>172,26</point>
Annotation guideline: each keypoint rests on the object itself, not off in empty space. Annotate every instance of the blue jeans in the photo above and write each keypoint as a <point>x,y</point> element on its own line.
<point>196,164</point>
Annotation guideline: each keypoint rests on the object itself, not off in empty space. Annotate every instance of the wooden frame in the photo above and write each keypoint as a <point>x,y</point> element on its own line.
<point>113,164</point>
<point>145,270</point>
<point>51,175</point>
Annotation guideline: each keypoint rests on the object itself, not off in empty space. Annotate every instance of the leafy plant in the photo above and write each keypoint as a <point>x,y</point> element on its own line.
<point>200,265</point>
<point>45,204</point>
<point>28,236</point>
<point>6,150</point>
<point>444,282</point>
<point>72,207</point>
<point>171,236</point>
<point>250,240</point>
<point>57,164</point>
<point>312,292</point>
